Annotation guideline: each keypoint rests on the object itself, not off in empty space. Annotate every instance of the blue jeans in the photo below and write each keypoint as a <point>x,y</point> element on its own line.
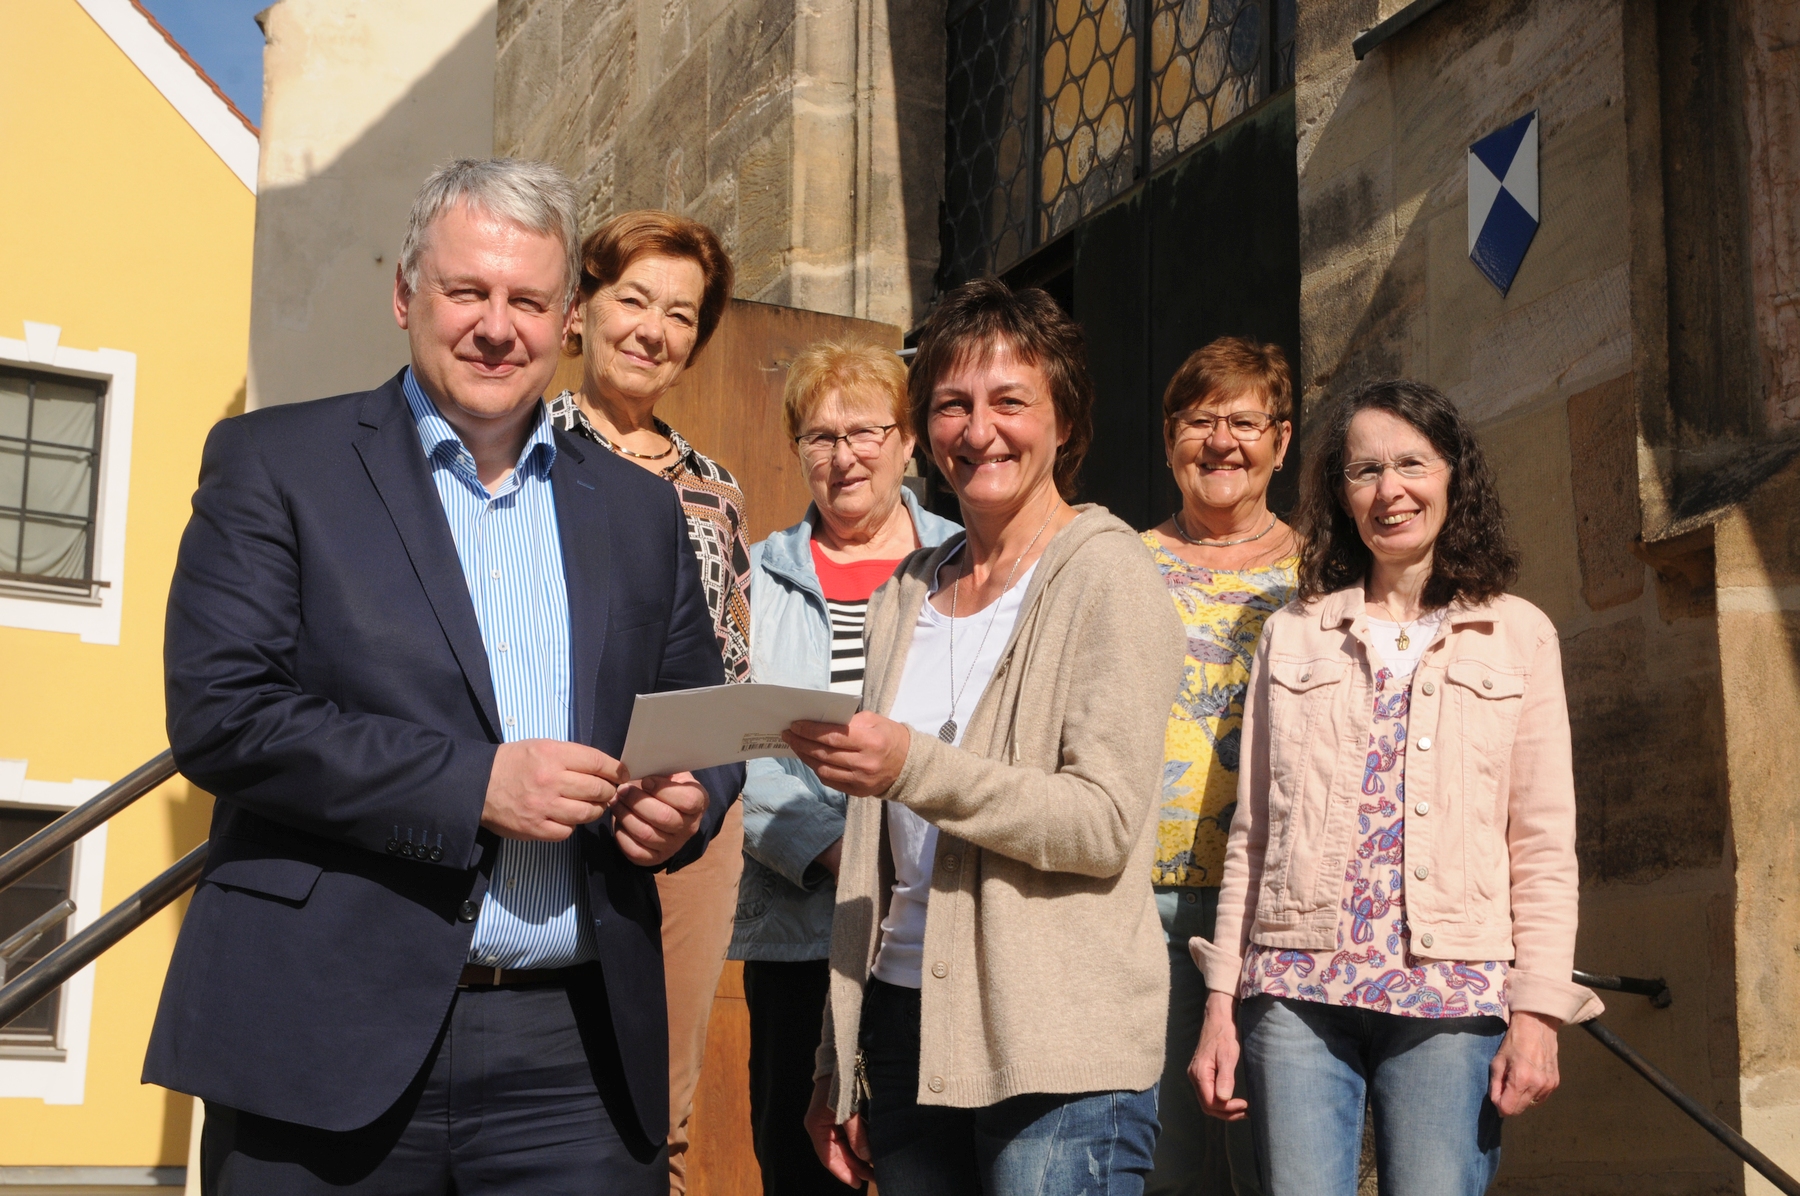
<point>1309,1069</point>
<point>1089,1144</point>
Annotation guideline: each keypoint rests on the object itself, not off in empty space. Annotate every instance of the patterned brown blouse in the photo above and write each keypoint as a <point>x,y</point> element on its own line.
<point>715,518</point>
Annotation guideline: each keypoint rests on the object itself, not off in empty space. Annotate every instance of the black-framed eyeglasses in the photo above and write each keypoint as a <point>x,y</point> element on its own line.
<point>864,442</point>
<point>1246,427</point>
<point>1367,473</point>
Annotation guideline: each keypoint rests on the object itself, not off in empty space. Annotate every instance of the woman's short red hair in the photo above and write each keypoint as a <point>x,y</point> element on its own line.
<point>628,236</point>
<point>1227,367</point>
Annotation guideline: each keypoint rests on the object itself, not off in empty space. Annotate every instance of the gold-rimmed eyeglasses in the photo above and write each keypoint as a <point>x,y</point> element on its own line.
<point>864,442</point>
<point>1367,473</point>
<point>1246,427</point>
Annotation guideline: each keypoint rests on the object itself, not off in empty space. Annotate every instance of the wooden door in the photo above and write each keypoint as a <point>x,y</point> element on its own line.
<point>728,406</point>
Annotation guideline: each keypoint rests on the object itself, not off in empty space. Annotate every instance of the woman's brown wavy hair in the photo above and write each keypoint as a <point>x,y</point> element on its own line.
<point>1473,559</point>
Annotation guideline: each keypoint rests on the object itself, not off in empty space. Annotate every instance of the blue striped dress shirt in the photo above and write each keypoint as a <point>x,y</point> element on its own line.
<point>535,914</point>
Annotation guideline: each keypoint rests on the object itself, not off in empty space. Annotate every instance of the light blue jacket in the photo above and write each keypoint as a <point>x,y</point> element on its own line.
<point>790,816</point>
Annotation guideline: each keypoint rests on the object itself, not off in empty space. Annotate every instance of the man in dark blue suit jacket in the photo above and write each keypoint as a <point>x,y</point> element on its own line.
<point>404,636</point>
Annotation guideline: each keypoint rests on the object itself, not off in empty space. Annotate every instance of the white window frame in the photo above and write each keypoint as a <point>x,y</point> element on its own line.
<point>94,614</point>
<point>61,1081</point>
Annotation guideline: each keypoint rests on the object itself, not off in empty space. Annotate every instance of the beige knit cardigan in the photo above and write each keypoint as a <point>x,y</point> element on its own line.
<point>1044,967</point>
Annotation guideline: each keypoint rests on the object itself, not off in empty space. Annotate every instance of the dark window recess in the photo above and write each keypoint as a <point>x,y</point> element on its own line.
<point>49,476</point>
<point>1057,107</point>
<point>35,1031</point>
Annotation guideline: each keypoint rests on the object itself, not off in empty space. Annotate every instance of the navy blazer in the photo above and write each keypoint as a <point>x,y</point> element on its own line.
<point>327,683</point>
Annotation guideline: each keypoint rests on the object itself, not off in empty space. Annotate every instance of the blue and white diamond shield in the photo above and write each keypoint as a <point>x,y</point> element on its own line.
<point>1503,200</point>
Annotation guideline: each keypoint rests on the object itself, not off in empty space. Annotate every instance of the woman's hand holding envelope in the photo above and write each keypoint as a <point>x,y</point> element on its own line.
<point>862,759</point>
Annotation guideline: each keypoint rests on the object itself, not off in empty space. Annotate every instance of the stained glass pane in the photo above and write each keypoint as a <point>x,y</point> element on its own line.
<point>1212,62</point>
<point>1089,124</point>
<point>987,169</point>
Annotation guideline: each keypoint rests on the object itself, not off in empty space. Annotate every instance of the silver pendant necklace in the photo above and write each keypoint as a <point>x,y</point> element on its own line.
<point>947,732</point>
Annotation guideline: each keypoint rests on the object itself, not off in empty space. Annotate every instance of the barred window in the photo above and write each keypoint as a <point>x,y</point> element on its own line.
<point>1055,107</point>
<point>50,429</point>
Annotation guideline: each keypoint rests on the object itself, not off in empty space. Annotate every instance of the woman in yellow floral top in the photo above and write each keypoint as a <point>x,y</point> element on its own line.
<point>1229,563</point>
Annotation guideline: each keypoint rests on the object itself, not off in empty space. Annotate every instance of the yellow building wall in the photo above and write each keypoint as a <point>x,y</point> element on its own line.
<point>120,224</point>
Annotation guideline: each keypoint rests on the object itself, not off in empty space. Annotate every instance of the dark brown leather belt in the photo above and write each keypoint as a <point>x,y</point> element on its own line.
<point>477,976</point>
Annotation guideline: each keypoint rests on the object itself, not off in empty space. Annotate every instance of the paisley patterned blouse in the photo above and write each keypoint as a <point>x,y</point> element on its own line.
<point>1224,612</point>
<point>1372,967</point>
<point>715,517</point>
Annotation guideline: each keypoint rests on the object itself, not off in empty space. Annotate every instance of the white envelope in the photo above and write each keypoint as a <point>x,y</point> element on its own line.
<point>688,729</point>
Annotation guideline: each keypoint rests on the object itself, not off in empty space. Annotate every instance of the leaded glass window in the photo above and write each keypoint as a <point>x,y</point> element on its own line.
<point>49,476</point>
<point>1089,71</point>
<point>1055,107</point>
<point>988,209</point>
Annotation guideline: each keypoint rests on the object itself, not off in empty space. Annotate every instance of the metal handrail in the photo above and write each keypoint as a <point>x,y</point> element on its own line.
<point>31,932</point>
<point>36,981</point>
<point>32,854</point>
<point>1657,991</point>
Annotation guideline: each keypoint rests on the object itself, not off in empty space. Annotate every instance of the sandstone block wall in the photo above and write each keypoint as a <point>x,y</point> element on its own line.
<point>807,133</point>
<point>1554,373</point>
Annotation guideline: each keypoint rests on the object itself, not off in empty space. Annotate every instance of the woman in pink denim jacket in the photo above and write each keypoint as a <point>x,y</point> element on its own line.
<point>1397,916</point>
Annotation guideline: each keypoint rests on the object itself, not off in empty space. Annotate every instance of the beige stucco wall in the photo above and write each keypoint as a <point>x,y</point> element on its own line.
<point>807,133</point>
<point>361,99</point>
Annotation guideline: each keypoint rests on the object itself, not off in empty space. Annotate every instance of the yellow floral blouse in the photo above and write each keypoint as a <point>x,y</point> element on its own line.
<point>1224,612</point>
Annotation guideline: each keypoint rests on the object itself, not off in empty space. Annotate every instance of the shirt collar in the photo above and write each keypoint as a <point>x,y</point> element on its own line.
<point>1346,606</point>
<point>436,434</point>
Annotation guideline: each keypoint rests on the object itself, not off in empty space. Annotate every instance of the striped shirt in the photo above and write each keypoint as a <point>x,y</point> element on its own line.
<point>535,914</point>
<point>847,645</point>
<point>847,587</point>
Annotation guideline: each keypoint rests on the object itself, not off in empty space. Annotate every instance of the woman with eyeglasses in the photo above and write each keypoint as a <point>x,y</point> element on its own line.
<point>845,408</point>
<point>1397,922</point>
<point>1228,562</point>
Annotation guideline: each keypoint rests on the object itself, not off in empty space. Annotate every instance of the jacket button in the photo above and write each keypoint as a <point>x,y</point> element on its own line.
<point>393,847</point>
<point>1424,743</point>
<point>1306,676</point>
<point>437,853</point>
<point>940,969</point>
<point>937,1084</point>
<point>1421,872</point>
<point>467,911</point>
<point>950,863</point>
<point>1422,809</point>
<point>1487,683</point>
<point>1425,940</point>
<point>1428,689</point>
<point>1189,898</point>
<point>406,849</point>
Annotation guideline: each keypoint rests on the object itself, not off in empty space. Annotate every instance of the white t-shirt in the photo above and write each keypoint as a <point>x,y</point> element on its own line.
<point>923,703</point>
<point>1419,634</point>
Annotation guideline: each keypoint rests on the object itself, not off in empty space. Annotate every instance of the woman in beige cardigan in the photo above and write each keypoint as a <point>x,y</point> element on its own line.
<point>998,977</point>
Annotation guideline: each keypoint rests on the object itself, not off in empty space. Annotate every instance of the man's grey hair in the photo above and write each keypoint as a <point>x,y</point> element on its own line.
<point>532,195</point>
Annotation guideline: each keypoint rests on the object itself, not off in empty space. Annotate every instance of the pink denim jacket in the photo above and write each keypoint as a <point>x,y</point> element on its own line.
<point>1490,819</point>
